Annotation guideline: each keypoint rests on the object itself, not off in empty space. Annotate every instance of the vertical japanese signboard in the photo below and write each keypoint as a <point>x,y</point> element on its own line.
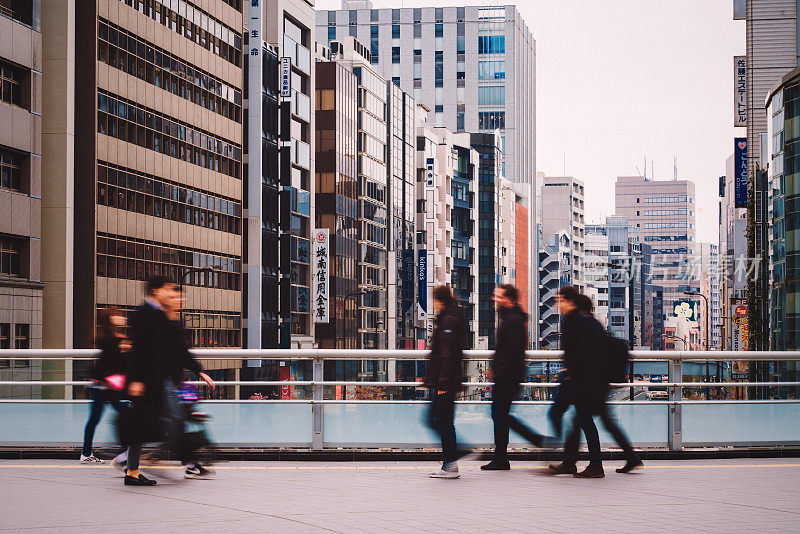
<point>739,321</point>
<point>422,284</point>
<point>740,171</point>
<point>286,77</point>
<point>740,90</point>
<point>321,276</point>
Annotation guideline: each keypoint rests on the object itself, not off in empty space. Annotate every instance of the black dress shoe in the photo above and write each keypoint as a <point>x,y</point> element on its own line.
<point>141,480</point>
<point>496,466</point>
<point>630,465</point>
<point>562,469</point>
<point>591,471</point>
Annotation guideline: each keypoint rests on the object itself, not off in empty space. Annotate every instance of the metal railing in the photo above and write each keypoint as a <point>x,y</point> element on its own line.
<point>674,403</point>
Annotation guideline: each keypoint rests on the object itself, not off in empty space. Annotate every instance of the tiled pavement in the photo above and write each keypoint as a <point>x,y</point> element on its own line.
<point>758,495</point>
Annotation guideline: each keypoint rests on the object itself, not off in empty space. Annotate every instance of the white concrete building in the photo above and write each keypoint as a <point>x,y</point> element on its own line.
<point>562,209</point>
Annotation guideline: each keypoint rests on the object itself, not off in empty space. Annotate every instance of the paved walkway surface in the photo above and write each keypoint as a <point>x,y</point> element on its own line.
<point>376,497</point>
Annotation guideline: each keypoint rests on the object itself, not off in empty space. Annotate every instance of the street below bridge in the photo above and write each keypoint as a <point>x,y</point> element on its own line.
<point>733,495</point>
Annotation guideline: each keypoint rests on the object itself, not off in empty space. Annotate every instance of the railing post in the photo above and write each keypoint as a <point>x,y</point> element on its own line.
<point>674,414</point>
<point>317,408</point>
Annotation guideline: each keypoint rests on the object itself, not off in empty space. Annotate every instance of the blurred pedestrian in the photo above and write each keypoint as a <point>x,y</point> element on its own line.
<point>107,376</point>
<point>508,369</point>
<point>444,375</point>
<point>159,356</point>
<point>586,386</point>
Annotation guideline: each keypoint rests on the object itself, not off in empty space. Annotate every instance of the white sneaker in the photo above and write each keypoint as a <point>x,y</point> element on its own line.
<point>91,459</point>
<point>449,472</point>
<point>198,472</point>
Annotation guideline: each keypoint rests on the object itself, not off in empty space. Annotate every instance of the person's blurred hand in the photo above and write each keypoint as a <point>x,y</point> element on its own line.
<point>125,345</point>
<point>136,389</point>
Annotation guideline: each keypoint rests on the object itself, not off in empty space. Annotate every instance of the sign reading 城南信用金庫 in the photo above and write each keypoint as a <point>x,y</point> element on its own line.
<point>321,264</point>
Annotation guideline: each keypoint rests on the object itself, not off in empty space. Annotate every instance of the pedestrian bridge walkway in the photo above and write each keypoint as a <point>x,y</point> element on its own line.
<point>750,495</point>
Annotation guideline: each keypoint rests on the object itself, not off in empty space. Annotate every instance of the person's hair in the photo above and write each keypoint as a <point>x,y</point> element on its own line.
<point>570,293</point>
<point>444,294</point>
<point>107,328</point>
<point>510,292</point>
<point>584,304</point>
<point>157,282</point>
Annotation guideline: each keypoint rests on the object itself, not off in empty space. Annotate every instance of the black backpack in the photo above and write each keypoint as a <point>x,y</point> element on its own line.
<point>617,359</point>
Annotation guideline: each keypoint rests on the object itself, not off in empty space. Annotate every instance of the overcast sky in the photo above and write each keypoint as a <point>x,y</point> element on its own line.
<point>619,80</point>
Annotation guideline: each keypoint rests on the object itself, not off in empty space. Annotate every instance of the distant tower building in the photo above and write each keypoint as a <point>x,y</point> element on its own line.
<point>563,210</point>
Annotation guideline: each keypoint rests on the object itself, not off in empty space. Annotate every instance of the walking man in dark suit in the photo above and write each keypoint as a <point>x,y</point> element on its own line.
<point>508,368</point>
<point>159,356</point>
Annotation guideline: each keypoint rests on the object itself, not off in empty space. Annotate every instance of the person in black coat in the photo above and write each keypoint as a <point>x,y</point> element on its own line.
<point>159,357</point>
<point>444,374</point>
<point>585,385</point>
<point>112,361</point>
<point>508,368</point>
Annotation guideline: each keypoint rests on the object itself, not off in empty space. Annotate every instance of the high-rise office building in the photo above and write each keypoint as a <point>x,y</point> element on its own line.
<point>563,197</point>
<point>709,266</point>
<point>336,191</point>
<point>595,267</point>
<point>401,171</point>
<point>473,67</point>
<point>20,189</point>
<point>489,150</point>
<point>663,214</point>
<point>555,272</point>
<point>155,174</point>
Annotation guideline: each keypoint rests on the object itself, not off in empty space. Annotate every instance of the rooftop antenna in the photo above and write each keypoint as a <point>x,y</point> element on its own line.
<point>652,170</point>
<point>675,168</point>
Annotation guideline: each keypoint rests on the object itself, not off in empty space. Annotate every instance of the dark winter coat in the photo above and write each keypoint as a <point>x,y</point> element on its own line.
<point>584,343</point>
<point>445,369</point>
<point>111,360</point>
<point>508,364</point>
<point>159,352</point>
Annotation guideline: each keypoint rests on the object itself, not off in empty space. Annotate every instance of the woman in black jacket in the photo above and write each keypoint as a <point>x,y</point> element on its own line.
<point>113,346</point>
<point>444,375</point>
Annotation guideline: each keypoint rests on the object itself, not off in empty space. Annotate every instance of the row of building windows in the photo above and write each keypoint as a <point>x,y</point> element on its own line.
<point>683,237</point>
<point>492,70</point>
<point>205,328</point>
<point>126,189</point>
<point>194,24</point>
<point>492,95</point>
<point>137,57</point>
<point>664,200</point>
<point>661,213</point>
<point>491,120</point>
<point>11,78</point>
<point>491,44</point>
<point>10,256</point>
<point>138,259</point>
<point>20,340</point>
<point>128,121</point>
<point>10,170</point>
<point>679,224</point>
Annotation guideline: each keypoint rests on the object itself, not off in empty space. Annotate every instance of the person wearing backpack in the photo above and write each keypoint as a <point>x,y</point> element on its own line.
<point>590,359</point>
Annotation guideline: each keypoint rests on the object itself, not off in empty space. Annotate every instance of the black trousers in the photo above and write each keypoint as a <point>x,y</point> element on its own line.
<point>574,437</point>
<point>440,419</point>
<point>503,394</point>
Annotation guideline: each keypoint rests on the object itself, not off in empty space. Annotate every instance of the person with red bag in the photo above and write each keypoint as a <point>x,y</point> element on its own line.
<point>107,376</point>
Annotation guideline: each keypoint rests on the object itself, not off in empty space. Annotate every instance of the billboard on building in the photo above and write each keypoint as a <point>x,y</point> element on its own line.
<point>740,171</point>
<point>422,284</point>
<point>321,272</point>
<point>740,90</point>
<point>739,322</point>
<point>687,309</point>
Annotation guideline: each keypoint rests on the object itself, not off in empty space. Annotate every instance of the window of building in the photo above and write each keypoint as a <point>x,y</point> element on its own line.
<point>492,95</point>
<point>128,52</point>
<point>196,25</point>
<point>22,336</point>
<point>395,54</point>
<point>460,121</point>
<point>11,256</point>
<point>660,200</point>
<point>492,70</point>
<point>491,120</point>
<point>128,121</point>
<point>491,44</point>
<point>5,339</point>
<point>10,170</point>
<point>11,78</point>
<point>331,33</point>
<point>395,31</point>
